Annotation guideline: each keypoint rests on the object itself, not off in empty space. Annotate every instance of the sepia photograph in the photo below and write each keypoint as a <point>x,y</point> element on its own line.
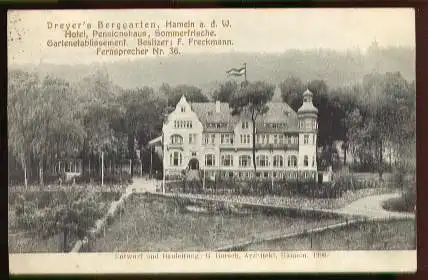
<point>215,135</point>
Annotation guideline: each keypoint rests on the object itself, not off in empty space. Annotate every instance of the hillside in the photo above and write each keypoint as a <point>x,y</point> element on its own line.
<point>206,70</point>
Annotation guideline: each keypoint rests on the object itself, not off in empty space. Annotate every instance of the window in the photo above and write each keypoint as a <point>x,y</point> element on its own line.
<point>314,124</point>
<point>292,139</point>
<point>182,124</point>
<point>244,161</point>
<point>217,125</point>
<point>175,159</point>
<point>245,139</point>
<point>176,139</point>
<point>262,161</point>
<point>226,139</point>
<point>292,161</point>
<point>192,138</point>
<point>193,154</point>
<point>308,124</point>
<point>305,161</point>
<point>275,139</point>
<point>209,160</point>
<point>263,139</point>
<point>281,139</point>
<point>227,160</point>
<point>183,109</point>
<point>212,139</point>
<point>266,174</point>
<point>301,124</point>
<point>244,125</point>
<point>206,139</point>
<point>306,139</point>
<point>278,161</point>
<point>313,139</point>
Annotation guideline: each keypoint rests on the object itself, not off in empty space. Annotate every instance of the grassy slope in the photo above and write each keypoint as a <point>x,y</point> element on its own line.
<point>388,235</point>
<point>151,225</point>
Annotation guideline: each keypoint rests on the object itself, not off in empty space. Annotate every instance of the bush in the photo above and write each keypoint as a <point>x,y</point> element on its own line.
<point>369,167</point>
<point>256,187</point>
<point>405,203</point>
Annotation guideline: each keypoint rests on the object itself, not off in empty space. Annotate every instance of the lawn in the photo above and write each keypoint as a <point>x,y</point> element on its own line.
<point>158,224</point>
<point>386,235</point>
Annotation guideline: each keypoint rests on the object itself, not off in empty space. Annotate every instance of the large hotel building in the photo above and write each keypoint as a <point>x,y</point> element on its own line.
<point>205,138</point>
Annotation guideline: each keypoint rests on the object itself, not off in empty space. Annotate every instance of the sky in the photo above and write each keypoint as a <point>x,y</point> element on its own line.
<point>252,30</point>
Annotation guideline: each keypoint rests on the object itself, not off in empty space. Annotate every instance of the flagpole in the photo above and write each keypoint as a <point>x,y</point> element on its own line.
<point>245,72</point>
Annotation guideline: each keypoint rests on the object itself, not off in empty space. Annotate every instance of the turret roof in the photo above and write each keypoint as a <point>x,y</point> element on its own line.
<point>307,107</point>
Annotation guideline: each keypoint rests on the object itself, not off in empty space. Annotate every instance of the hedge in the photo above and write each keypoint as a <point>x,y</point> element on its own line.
<point>311,189</point>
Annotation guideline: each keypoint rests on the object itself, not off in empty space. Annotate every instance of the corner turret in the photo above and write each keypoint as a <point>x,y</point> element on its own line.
<point>307,106</point>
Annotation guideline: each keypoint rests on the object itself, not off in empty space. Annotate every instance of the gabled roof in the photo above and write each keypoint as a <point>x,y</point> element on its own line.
<point>206,113</point>
<point>279,112</point>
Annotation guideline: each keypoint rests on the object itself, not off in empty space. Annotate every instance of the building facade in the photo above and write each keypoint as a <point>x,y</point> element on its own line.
<point>205,138</point>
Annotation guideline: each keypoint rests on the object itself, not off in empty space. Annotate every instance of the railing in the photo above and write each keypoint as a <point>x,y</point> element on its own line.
<point>278,146</point>
<point>175,146</point>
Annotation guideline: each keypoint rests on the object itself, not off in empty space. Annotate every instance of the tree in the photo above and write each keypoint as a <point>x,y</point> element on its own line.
<point>251,101</point>
<point>97,101</point>
<point>21,90</point>
<point>192,93</point>
<point>291,92</point>
<point>70,214</point>
<point>100,136</point>
<point>390,111</point>
<point>225,91</point>
<point>56,129</point>
<point>142,117</point>
<point>318,87</point>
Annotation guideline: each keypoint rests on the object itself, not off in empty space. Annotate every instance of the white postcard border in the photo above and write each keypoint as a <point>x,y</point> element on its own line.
<point>208,262</point>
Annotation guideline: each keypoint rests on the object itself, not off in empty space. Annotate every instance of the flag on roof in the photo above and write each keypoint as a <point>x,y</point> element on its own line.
<point>237,71</point>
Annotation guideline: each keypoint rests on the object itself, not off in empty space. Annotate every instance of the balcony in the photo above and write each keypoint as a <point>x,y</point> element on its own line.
<point>277,146</point>
<point>175,146</point>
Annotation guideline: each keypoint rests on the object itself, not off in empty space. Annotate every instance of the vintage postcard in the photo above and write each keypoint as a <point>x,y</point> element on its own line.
<point>211,140</point>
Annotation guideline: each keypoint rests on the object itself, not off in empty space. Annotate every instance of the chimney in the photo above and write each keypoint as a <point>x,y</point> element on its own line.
<point>217,106</point>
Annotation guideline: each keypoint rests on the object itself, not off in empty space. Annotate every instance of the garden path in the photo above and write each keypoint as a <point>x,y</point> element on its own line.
<point>369,206</point>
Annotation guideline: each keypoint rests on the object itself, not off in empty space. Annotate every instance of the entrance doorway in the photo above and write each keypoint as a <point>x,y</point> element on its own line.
<point>193,164</point>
